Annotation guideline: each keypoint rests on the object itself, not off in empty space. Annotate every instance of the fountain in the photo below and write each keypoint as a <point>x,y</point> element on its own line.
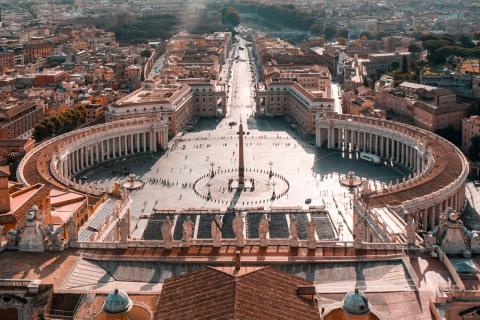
<point>351,180</point>
<point>133,183</point>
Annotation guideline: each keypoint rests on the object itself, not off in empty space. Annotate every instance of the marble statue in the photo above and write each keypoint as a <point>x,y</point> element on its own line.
<point>293,231</point>
<point>123,229</point>
<point>56,242</point>
<point>167,226</point>
<point>12,239</point>
<point>187,227</point>
<point>238,226</point>
<point>366,187</point>
<point>263,228</point>
<point>411,230</point>
<point>452,236</point>
<point>311,241</point>
<point>474,241</point>
<point>72,231</point>
<point>216,231</point>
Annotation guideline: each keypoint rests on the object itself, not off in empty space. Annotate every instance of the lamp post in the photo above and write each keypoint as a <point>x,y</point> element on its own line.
<point>209,195</point>
<point>212,173</point>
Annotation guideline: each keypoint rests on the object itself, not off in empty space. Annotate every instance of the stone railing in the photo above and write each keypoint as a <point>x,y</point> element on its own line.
<point>71,141</point>
<point>397,247</point>
<point>15,283</point>
<point>414,137</point>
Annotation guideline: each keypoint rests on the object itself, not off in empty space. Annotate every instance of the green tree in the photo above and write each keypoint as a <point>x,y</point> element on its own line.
<point>55,125</point>
<point>342,41</point>
<point>451,134</point>
<point>395,65</point>
<point>316,28</point>
<point>474,151</point>
<point>466,41</point>
<point>40,132</point>
<point>404,64</point>
<point>364,36</point>
<point>230,16</point>
<point>342,33</point>
<point>414,48</point>
<point>330,32</point>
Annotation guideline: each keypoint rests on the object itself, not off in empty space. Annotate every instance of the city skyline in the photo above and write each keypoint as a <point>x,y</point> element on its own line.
<point>244,159</point>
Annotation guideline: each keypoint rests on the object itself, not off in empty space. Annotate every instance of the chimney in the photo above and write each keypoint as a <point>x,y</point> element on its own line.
<point>4,193</point>
<point>306,292</point>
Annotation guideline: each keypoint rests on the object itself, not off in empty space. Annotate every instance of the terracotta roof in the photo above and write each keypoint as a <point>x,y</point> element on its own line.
<point>264,293</point>
<point>21,201</point>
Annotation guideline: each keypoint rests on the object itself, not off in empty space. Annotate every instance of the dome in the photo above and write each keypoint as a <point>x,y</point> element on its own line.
<point>355,303</point>
<point>117,302</point>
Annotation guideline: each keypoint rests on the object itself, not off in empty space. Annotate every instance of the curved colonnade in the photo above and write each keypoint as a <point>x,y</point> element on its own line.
<point>59,159</point>
<point>439,169</point>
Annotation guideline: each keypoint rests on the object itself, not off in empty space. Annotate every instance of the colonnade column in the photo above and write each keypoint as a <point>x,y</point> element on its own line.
<point>144,142</point>
<point>137,137</point>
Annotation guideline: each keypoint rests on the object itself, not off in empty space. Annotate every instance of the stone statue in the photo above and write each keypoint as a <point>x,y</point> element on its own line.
<point>452,236</point>
<point>56,242</point>
<point>366,188</point>
<point>72,232</point>
<point>123,229</point>
<point>263,228</point>
<point>216,231</point>
<point>167,226</point>
<point>32,238</point>
<point>293,231</point>
<point>187,227</point>
<point>411,230</point>
<point>12,239</point>
<point>238,225</point>
<point>311,241</point>
<point>474,241</point>
<point>429,240</point>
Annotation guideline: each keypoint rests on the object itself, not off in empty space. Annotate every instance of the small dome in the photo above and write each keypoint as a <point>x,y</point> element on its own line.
<point>355,303</point>
<point>117,302</point>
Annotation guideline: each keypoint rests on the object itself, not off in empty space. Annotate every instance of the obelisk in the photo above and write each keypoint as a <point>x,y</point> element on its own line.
<point>241,165</point>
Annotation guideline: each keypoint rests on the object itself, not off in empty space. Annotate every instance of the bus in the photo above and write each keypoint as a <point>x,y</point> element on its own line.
<point>370,157</point>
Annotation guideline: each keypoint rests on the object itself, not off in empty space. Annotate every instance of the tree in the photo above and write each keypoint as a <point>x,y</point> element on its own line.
<point>342,41</point>
<point>414,48</point>
<point>40,132</point>
<point>404,64</point>
<point>451,134</point>
<point>395,65</point>
<point>330,31</point>
<point>146,54</point>
<point>364,36</point>
<point>316,28</point>
<point>230,16</point>
<point>466,41</point>
<point>55,125</point>
<point>474,151</point>
<point>342,33</point>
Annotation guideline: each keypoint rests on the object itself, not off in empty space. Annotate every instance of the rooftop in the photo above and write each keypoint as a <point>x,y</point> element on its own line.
<point>264,293</point>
